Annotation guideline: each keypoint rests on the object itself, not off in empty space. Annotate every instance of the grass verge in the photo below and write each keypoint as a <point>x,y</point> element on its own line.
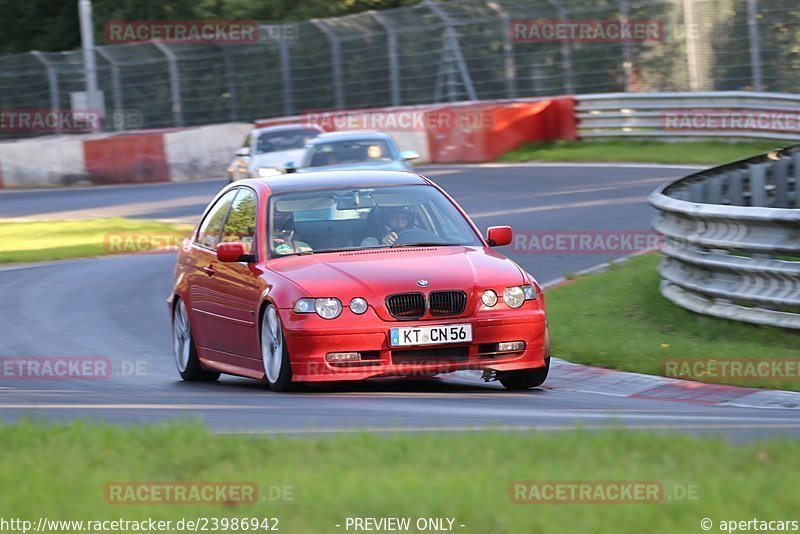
<point>423,475</point>
<point>32,241</point>
<point>700,152</point>
<point>618,319</point>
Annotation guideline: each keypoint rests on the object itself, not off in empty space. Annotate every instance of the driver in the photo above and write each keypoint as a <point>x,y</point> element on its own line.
<point>283,234</point>
<point>394,220</point>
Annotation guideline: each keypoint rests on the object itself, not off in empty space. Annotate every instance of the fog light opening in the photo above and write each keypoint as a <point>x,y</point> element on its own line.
<point>339,357</point>
<point>494,350</point>
<point>511,346</point>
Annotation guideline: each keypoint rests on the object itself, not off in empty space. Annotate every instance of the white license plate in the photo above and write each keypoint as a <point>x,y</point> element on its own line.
<point>430,335</point>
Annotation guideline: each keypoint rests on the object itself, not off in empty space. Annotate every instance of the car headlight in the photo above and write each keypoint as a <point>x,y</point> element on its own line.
<point>264,172</point>
<point>358,305</point>
<point>327,308</point>
<point>516,296</point>
<point>304,306</point>
<point>489,298</point>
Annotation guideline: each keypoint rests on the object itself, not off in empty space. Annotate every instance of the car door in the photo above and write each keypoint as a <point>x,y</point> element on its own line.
<point>235,317</point>
<point>204,291</point>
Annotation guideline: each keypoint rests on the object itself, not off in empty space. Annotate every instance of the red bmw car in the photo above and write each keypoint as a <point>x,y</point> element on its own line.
<point>350,275</point>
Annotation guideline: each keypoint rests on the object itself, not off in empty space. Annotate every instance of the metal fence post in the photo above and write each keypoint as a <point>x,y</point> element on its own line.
<point>692,60</point>
<point>508,49</point>
<point>286,77</point>
<point>116,88</point>
<point>174,83</point>
<point>627,56</point>
<point>52,82</point>
<point>453,51</point>
<point>230,84</point>
<point>566,50</point>
<point>391,53</point>
<point>336,62</point>
<point>755,48</point>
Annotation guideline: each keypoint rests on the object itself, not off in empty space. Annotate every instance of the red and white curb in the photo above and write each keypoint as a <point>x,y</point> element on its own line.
<point>575,377</point>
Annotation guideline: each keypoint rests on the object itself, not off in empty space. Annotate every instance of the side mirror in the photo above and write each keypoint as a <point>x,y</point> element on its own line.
<point>408,155</point>
<point>232,252</point>
<point>499,236</point>
<point>290,167</point>
<point>242,152</point>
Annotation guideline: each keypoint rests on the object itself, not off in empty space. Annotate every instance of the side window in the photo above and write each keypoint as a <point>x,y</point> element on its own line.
<point>211,228</point>
<point>241,223</point>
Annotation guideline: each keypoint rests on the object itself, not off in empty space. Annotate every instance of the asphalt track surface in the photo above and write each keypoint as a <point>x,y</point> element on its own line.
<point>115,308</point>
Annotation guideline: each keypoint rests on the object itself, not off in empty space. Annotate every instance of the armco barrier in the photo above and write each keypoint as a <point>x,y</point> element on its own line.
<point>718,114</point>
<point>732,240</point>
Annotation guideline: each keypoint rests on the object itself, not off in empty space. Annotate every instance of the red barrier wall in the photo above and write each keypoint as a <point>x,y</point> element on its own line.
<point>127,158</point>
<point>482,132</point>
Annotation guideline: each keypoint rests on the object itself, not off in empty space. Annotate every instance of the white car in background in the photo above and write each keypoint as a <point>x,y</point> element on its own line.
<point>266,151</point>
<point>354,150</point>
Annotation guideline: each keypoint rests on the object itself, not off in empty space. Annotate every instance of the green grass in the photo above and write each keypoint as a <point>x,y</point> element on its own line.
<point>61,472</point>
<point>57,240</point>
<point>618,319</point>
<point>700,152</point>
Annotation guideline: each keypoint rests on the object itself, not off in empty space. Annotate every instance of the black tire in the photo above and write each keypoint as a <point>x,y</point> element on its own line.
<point>278,378</point>
<point>188,364</point>
<point>527,379</point>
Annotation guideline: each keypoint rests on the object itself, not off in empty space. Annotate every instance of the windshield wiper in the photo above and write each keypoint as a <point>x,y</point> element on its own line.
<point>301,253</point>
<point>425,244</point>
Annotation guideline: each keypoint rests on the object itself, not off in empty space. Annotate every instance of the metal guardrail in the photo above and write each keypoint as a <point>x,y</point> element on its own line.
<point>732,240</point>
<point>726,114</point>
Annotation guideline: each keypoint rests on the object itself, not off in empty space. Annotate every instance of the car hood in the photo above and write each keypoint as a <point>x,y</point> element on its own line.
<point>277,160</point>
<point>386,166</point>
<point>377,273</point>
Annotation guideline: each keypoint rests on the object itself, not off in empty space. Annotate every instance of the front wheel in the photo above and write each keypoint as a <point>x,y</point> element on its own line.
<point>275,356</point>
<point>526,379</point>
<point>186,359</point>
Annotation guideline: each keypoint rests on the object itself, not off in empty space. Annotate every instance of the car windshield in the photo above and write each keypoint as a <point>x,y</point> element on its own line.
<point>320,221</point>
<point>348,152</point>
<point>284,140</point>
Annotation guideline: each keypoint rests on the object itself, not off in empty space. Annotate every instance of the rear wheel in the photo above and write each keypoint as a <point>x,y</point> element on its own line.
<point>183,347</point>
<point>275,356</point>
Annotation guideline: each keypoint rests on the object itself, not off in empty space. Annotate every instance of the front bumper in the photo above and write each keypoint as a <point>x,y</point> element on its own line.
<point>309,339</point>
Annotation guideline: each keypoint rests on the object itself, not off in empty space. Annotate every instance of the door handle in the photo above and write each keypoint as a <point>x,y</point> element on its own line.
<point>209,270</point>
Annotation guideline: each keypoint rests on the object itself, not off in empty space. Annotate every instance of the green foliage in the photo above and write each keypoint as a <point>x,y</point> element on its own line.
<point>53,26</point>
<point>703,152</point>
<point>61,471</point>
